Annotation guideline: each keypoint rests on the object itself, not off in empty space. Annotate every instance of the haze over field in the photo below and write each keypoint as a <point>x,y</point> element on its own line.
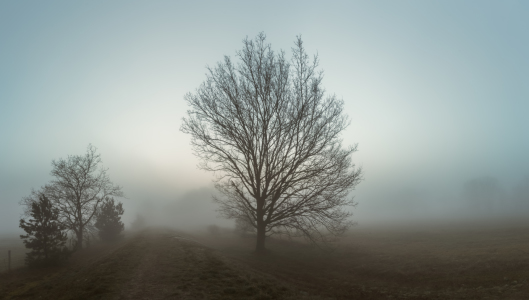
<point>436,92</point>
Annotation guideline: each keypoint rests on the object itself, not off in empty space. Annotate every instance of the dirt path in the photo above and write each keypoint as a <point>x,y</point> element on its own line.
<point>152,265</point>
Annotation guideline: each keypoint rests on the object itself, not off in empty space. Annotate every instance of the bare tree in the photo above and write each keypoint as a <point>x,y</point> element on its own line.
<point>80,185</point>
<point>267,129</point>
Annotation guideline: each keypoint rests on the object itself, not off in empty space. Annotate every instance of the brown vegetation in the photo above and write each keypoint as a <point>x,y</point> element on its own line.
<point>415,262</point>
<point>409,262</point>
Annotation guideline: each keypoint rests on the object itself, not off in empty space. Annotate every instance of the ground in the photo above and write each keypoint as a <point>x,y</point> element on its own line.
<point>413,262</point>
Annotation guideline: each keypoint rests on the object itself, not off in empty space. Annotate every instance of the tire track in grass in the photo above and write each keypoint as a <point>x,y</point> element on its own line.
<point>97,280</point>
<point>152,266</point>
<point>184,269</point>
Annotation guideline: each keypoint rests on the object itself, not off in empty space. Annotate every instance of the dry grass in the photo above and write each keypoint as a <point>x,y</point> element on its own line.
<point>459,261</point>
<point>151,265</point>
<point>414,262</point>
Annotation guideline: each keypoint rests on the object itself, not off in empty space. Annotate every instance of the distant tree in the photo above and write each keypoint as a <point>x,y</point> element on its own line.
<point>45,235</point>
<point>108,220</point>
<point>138,223</point>
<point>214,230</point>
<point>521,194</point>
<point>244,228</point>
<point>484,194</point>
<point>266,127</point>
<point>79,187</point>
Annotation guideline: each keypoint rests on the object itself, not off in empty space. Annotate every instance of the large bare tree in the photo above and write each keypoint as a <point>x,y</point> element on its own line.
<point>266,127</point>
<point>79,186</point>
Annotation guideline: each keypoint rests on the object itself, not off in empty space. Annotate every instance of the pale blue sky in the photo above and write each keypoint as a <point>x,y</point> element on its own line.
<point>437,91</point>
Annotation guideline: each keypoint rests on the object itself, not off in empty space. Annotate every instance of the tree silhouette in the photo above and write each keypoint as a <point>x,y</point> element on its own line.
<point>45,234</point>
<point>266,127</point>
<point>108,220</point>
<point>79,187</point>
<point>521,195</point>
<point>139,223</point>
<point>484,194</point>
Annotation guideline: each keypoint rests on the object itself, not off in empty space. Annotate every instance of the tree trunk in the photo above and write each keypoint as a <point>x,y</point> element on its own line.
<point>261,235</point>
<point>261,228</point>
<point>79,244</point>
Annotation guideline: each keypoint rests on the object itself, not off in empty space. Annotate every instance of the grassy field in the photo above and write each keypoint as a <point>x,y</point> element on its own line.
<point>417,261</point>
<point>151,265</point>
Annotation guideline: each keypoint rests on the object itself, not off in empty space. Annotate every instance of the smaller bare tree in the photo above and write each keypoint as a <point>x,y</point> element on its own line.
<point>79,187</point>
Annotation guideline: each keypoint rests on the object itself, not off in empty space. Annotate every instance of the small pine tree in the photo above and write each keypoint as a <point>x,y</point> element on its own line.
<point>108,220</point>
<point>45,235</point>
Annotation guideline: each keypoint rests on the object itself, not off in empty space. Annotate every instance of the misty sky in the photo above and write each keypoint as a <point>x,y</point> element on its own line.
<point>437,92</point>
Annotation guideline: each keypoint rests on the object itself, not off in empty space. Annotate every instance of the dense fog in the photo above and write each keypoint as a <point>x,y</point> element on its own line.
<point>477,199</point>
<point>436,96</point>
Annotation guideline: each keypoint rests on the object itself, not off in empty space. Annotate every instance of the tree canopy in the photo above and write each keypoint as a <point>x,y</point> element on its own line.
<point>266,127</point>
